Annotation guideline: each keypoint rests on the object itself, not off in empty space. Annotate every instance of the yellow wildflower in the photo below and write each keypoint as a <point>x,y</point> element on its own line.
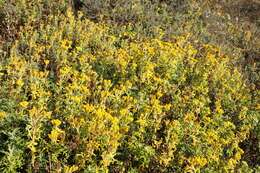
<point>76,99</point>
<point>199,161</point>
<point>20,82</point>
<point>56,122</point>
<point>65,44</point>
<point>2,115</point>
<point>46,62</point>
<point>24,104</point>
<point>55,134</point>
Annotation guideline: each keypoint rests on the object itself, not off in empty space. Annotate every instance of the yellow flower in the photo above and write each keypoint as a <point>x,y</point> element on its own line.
<point>56,122</point>
<point>46,62</point>
<point>24,104</point>
<point>2,115</point>
<point>65,44</point>
<point>199,161</point>
<point>55,134</point>
<point>76,99</point>
<point>20,82</point>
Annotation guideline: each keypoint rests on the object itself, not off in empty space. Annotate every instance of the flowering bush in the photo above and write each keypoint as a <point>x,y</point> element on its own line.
<point>75,97</point>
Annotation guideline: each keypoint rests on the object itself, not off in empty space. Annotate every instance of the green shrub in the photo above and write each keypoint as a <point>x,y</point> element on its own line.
<point>75,97</point>
<point>231,25</point>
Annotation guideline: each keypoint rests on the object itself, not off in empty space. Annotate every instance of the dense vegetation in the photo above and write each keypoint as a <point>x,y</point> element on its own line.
<point>129,86</point>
